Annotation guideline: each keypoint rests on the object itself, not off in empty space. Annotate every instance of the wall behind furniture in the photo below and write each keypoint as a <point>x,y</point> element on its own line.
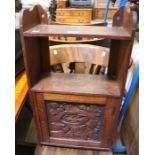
<point>27,3</point>
<point>44,3</point>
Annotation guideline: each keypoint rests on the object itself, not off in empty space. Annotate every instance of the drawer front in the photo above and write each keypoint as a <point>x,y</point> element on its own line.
<point>72,20</point>
<point>71,13</point>
<point>99,13</point>
<point>73,124</point>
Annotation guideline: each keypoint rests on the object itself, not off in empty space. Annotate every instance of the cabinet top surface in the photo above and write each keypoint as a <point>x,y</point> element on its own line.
<point>78,84</point>
<point>43,30</point>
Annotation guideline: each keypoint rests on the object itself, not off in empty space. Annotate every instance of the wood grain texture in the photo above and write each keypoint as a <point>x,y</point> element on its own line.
<point>103,92</point>
<point>99,13</point>
<point>71,20</point>
<point>36,15</point>
<point>94,22</point>
<point>42,30</point>
<point>55,40</point>
<point>120,51</point>
<point>79,53</point>
<point>46,150</point>
<point>80,15</point>
<point>75,121</point>
<point>21,90</point>
<point>34,105</point>
<point>85,58</point>
<point>68,39</point>
<point>30,47</point>
<point>74,12</point>
<point>62,4</point>
<point>76,84</point>
<point>41,108</point>
<point>76,98</point>
<point>45,118</point>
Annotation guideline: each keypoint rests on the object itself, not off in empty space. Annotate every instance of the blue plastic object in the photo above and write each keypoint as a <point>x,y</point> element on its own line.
<point>106,11</point>
<point>126,99</point>
<point>122,3</point>
<point>119,149</point>
<point>129,95</point>
<point>123,149</point>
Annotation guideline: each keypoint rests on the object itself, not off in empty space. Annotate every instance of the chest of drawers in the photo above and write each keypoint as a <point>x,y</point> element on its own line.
<point>72,15</point>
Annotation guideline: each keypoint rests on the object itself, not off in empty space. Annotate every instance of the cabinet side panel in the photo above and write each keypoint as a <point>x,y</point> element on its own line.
<point>110,123</point>
<point>35,114</point>
<point>119,60</point>
<point>43,117</point>
<point>33,47</point>
<point>32,60</point>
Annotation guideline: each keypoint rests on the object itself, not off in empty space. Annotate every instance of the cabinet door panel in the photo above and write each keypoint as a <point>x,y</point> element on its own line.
<point>76,124</point>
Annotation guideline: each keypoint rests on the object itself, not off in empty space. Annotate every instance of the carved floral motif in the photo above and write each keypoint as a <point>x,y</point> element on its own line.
<point>74,120</point>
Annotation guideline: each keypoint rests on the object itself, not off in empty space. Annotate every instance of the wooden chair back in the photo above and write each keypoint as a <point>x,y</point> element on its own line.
<point>79,58</point>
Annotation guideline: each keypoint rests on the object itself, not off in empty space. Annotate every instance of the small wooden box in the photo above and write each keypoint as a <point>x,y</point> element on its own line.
<point>71,16</point>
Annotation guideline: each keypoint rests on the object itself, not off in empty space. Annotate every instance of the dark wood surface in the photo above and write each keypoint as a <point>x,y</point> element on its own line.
<point>30,45</point>
<point>75,91</point>
<point>108,121</point>
<point>43,30</point>
<point>76,84</point>
<point>120,51</point>
<point>45,150</point>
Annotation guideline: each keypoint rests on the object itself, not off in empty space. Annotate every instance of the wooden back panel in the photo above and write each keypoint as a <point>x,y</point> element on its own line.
<point>31,50</point>
<point>30,18</point>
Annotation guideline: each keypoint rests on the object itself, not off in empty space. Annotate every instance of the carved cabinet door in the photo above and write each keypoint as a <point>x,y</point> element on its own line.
<point>74,124</point>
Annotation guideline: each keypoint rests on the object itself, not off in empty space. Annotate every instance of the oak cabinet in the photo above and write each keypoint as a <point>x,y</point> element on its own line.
<point>75,110</point>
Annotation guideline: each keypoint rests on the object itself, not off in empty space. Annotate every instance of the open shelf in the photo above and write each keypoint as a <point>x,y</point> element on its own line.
<point>78,84</point>
<point>43,30</point>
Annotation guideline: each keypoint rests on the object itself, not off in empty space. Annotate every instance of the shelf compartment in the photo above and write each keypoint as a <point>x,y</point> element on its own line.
<point>78,84</point>
<point>43,30</point>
